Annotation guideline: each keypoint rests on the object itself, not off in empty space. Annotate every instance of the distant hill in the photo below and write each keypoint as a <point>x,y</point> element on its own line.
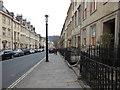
<point>52,38</point>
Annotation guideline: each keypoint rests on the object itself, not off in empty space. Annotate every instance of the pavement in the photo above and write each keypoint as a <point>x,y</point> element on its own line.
<point>52,74</point>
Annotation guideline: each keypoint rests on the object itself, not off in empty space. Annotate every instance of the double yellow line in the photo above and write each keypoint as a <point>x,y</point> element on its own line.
<point>24,75</point>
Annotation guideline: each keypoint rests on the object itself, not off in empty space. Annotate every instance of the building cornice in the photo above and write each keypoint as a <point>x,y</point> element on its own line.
<point>6,14</point>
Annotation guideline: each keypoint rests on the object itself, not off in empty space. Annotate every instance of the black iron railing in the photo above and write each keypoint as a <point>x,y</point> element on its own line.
<point>72,55</point>
<point>100,67</point>
<point>106,55</point>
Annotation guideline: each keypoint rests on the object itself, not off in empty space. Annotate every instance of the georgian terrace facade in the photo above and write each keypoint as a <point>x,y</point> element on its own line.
<point>16,32</point>
<point>87,21</point>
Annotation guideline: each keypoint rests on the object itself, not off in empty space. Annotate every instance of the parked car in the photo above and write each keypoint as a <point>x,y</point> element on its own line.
<point>40,50</point>
<point>18,52</point>
<point>52,50</point>
<point>0,55</point>
<point>26,51</point>
<point>6,54</point>
<point>36,50</point>
<point>32,51</point>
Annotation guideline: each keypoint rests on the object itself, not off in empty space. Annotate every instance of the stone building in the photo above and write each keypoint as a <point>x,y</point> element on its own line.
<point>99,18</point>
<point>16,32</point>
<point>89,20</point>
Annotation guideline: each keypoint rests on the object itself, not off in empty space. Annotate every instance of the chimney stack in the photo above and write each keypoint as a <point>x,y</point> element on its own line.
<point>28,24</point>
<point>31,27</point>
<point>34,29</point>
<point>19,18</point>
<point>12,14</point>
<point>1,3</point>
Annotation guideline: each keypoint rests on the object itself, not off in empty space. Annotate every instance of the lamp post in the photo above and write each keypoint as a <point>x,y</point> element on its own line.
<point>46,38</point>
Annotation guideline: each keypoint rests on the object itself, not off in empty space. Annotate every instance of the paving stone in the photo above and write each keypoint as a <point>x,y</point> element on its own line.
<point>52,74</point>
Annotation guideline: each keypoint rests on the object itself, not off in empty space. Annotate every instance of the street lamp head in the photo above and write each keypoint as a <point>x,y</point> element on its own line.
<point>46,15</point>
<point>46,18</point>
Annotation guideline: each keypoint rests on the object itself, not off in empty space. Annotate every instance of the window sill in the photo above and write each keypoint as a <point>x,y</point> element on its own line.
<point>93,12</point>
<point>105,2</point>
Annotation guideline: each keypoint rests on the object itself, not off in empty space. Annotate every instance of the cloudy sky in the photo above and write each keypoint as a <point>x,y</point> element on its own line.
<point>35,10</point>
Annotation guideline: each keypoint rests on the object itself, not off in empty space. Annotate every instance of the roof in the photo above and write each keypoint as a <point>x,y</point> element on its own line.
<point>4,10</point>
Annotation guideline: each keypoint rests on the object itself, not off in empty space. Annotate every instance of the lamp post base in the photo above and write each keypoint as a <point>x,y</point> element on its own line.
<point>47,61</point>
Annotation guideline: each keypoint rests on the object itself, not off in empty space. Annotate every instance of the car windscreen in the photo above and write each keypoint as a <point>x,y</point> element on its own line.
<point>6,51</point>
<point>1,52</point>
<point>15,50</point>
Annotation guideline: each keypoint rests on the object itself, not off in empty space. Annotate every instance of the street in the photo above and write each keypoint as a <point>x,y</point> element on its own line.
<point>60,44</point>
<point>14,68</point>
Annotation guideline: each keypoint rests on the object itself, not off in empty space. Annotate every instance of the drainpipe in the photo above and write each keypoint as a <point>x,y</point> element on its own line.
<point>12,31</point>
<point>119,23</point>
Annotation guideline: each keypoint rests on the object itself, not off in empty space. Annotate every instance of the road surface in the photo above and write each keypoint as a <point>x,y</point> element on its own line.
<point>14,68</point>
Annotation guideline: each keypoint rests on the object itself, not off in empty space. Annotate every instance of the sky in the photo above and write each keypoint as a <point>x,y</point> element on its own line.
<point>35,11</point>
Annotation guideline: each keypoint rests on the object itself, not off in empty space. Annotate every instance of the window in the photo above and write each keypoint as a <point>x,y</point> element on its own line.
<point>85,4</point>
<point>4,19</point>
<point>21,29</point>
<point>79,15</point>
<point>84,33</point>
<point>4,31</point>
<point>14,25</point>
<point>93,31</point>
<point>72,5</point>
<point>14,35</point>
<point>73,23</point>
<point>8,21</point>
<point>9,33</point>
<point>75,2</point>
<point>93,6</point>
<point>84,36</point>
<point>85,10</point>
<point>75,19</point>
<point>9,45</point>
<point>4,45</point>
<point>18,36</point>
<point>21,37</point>
<point>18,27</point>
<point>93,28</point>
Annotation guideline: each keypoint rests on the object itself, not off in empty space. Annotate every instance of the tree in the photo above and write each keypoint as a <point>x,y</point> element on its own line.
<point>105,39</point>
<point>55,41</point>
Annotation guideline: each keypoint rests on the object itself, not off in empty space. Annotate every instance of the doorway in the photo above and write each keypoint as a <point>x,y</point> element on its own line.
<point>109,27</point>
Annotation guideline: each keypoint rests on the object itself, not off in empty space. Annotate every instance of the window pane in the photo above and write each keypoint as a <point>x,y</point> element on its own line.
<point>8,21</point>
<point>85,4</point>
<point>93,31</point>
<point>4,31</point>
<point>3,19</point>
